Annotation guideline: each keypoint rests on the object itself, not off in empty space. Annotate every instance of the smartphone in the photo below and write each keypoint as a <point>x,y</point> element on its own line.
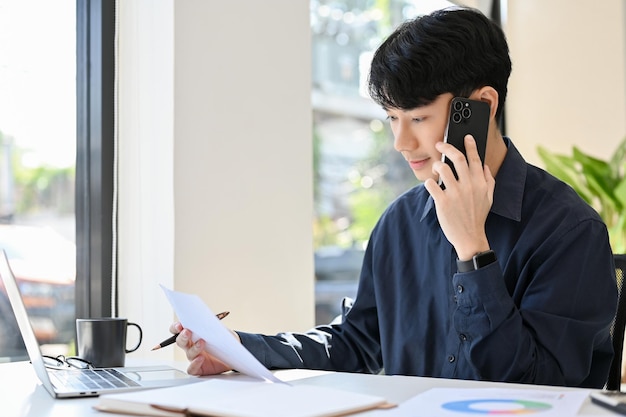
<point>467,117</point>
<point>613,400</point>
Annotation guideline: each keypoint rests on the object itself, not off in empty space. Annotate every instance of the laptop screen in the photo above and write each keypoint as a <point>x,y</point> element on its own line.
<point>26,330</point>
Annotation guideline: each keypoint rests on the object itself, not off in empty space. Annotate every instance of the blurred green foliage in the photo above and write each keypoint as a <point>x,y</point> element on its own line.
<point>601,184</point>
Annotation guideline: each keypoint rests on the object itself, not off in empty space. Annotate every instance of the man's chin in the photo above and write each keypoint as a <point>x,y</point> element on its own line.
<point>421,177</point>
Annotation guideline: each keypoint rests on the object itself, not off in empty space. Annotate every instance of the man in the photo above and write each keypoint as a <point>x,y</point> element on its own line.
<point>504,274</point>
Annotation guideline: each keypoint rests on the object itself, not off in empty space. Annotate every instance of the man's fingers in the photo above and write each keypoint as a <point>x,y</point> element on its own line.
<point>195,366</point>
<point>457,158</point>
<point>182,341</point>
<point>176,327</point>
<point>191,349</point>
<point>194,350</point>
<point>471,149</point>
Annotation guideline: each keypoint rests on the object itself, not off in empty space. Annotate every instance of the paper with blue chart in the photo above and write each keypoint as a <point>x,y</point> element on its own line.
<point>476,402</point>
<point>196,316</point>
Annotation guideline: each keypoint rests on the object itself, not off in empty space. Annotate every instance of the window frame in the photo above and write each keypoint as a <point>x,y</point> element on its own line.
<point>95,112</point>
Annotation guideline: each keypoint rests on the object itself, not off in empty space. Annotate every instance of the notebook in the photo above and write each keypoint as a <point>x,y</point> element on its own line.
<point>71,382</point>
<point>240,396</point>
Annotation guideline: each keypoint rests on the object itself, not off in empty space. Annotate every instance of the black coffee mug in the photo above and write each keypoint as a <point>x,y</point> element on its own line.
<point>102,341</point>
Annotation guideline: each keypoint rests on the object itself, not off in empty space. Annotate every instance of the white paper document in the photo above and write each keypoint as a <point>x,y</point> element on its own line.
<point>459,402</point>
<point>196,316</point>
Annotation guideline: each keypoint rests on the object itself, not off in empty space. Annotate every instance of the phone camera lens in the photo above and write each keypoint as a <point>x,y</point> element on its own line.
<point>456,117</point>
<point>458,105</point>
<point>467,113</point>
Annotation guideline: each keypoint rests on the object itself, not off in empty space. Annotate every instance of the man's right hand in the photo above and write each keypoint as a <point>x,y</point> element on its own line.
<point>201,362</point>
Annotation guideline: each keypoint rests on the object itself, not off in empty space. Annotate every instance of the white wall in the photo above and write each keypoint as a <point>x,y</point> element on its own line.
<point>243,179</point>
<point>568,85</point>
<point>216,161</point>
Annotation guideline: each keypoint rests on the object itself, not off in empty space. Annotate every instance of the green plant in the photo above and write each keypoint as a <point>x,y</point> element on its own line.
<point>601,184</point>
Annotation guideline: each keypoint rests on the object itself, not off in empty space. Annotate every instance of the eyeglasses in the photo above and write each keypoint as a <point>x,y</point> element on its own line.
<point>62,362</point>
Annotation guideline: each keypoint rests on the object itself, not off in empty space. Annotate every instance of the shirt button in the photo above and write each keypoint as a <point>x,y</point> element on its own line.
<point>451,358</point>
<point>463,337</point>
<point>459,288</point>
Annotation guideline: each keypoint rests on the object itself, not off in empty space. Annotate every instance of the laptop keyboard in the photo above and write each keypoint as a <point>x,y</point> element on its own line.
<point>93,379</point>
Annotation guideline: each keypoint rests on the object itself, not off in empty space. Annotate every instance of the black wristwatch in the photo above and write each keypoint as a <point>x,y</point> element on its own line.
<point>478,261</point>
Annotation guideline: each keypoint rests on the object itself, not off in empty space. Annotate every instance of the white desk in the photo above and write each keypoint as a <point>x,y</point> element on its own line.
<point>21,395</point>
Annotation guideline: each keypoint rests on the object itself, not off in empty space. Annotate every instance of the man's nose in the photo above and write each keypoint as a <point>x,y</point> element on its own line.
<point>404,139</point>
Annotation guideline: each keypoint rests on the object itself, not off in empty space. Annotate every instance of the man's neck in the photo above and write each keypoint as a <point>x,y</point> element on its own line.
<point>495,152</point>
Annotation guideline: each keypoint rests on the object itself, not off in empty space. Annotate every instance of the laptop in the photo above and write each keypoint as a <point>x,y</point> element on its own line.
<point>74,382</point>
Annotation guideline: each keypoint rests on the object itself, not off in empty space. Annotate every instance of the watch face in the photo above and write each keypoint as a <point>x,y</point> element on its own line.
<point>484,259</point>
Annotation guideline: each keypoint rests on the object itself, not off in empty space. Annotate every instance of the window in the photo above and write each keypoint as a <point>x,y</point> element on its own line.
<point>357,171</point>
<point>38,147</point>
<point>56,124</point>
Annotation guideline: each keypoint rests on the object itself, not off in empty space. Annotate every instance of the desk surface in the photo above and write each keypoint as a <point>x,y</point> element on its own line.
<point>21,395</point>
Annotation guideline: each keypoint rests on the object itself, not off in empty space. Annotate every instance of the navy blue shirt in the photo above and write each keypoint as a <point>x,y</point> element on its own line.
<point>540,314</point>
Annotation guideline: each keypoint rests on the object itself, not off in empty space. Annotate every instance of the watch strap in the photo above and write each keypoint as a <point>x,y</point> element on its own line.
<point>478,261</point>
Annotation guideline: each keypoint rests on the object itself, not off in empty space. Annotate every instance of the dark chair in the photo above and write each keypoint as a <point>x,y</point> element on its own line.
<point>617,328</point>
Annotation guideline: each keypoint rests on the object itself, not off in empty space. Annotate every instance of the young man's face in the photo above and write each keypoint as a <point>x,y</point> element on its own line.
<point>416,131</point>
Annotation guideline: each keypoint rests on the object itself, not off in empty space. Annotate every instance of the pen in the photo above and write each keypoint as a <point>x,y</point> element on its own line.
<point>172,339</point>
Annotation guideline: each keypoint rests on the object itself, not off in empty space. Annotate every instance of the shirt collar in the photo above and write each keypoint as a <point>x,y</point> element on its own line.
<point>510,182</point>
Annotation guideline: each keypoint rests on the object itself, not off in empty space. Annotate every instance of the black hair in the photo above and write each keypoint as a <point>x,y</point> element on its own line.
<point>454,50</point>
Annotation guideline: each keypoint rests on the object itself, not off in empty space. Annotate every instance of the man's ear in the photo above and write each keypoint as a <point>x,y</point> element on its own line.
<point>489,95</point>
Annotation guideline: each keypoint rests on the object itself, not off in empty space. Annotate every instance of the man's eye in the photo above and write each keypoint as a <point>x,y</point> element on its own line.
<point>418,119</point>
<point>392,118</point>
